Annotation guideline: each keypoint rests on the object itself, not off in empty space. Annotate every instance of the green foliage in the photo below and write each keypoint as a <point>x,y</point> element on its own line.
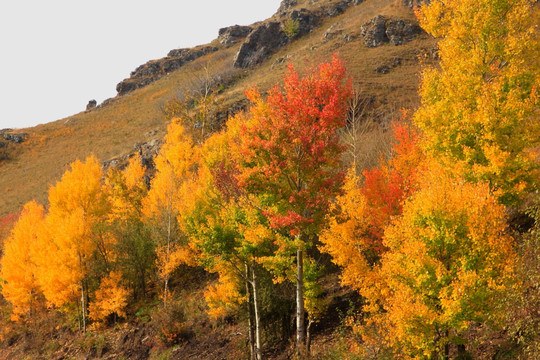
<point>291,27</point>
<point>522,302</point>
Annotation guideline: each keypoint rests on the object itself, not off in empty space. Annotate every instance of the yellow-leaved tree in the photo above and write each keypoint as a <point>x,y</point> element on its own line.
<point>450,258</point>
<point>175,165</point>
<point>128,244</point>
<point>480,105</point>
<point>17,268</point>
<point>66,246</point>
<point>111,298</point>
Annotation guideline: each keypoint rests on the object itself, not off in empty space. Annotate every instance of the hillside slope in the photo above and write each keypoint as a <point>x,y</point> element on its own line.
<point>387,75</point>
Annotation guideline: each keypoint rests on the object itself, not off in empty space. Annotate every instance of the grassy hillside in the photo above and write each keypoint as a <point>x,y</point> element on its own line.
<point>113,129</point>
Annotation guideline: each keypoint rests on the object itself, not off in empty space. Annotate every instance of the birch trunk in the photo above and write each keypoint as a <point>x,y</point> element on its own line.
<point>300,312</point>
<point>251,318</point>
<point>83,306</point>
<point>258,344</point>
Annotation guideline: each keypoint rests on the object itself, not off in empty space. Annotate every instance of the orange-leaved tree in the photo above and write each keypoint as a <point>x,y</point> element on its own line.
<point>359,217</point>
<point>17,268</point>
<point>449,259</point>
<point>291,157</point>
<point>228,229</point>
<point>65,248</point>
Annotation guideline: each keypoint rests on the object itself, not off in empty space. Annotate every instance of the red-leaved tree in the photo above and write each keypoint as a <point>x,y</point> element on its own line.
<point>291,157</point>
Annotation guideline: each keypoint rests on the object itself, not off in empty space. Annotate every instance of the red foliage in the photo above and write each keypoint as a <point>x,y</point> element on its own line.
<point>387,186</point>
<point>290,147</point>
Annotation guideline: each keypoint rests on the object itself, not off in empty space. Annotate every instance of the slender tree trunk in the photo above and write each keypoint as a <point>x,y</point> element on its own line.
<point>83,310</point>
<point>300,311</point>
<point>251,317</point>
<point>308,337</point>
<point>258,344</point>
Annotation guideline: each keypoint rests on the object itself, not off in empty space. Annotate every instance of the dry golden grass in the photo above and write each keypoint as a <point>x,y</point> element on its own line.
<point>113,129</point>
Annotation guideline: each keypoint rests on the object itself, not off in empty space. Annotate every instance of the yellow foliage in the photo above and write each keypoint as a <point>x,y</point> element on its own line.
<point>449,258</point>
<point>77,204</point>
<point>18,270</point>
<point>224,296</point>
<point>111,298</point>
<point>480,107</point>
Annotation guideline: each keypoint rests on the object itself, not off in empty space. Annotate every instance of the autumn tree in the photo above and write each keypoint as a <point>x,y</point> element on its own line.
<point>66,246</point>
<point>229,231</point>
<point>450,257</point>
<point>175,166</point>
<point>17,268</point>
<point>358,217</point>
<point>291,157</point>
<point>131,244</point>
<point>480,105</point>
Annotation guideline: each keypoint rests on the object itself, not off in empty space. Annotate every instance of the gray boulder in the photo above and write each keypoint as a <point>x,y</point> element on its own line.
<point>230,35</point>
<point>91,105</point>
<point>15,138</point>
<point>381,30</point>
<point>401,31</point>
<point>374,31</point>
<point>263,41</point>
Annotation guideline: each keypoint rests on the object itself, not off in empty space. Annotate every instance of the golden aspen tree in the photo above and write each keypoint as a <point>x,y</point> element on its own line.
<point>131,243</point>
<point>175,165</point>
<point>76,205</point>
<point>450,258</point>
<point>17,268</point>
<point>480,105</point>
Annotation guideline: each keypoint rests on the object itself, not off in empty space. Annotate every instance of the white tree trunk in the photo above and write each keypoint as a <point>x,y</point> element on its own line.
<point>258,344</point>
<point>300,312</point>
<point>83,306</point>
<point>251,317</point>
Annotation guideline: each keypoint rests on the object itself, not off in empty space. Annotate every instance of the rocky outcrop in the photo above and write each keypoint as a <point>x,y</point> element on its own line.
<point>415,3</point>
<point>381,30</point>
<point>15,138</point>
<point>269,37</point>
<point>263,41</point>
<point>146,150</point>
<point>230,35</point>
<point>285,6</point>
<point>155,69</point>
<point>91,105</point>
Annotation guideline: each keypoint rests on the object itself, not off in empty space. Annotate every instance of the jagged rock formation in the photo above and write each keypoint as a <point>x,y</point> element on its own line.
<point>269,37</point>
<point>155,69</point>
<point>381,30</point>
<point>230,35</point>
<point>91,105</point>
<point>264,40</point>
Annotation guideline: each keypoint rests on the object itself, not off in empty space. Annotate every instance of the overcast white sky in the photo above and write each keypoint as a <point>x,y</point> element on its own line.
<point>56,55</point>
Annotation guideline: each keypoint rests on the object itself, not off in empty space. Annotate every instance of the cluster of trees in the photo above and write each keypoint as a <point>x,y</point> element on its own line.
<point>423,237</point>
<point>246,203</point>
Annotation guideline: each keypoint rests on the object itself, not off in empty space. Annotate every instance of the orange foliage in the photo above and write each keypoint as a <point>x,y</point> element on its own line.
<point>18,270</point>
<point>111,298</point>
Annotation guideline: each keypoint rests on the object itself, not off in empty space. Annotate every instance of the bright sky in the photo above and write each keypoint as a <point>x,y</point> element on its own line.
<point>56,55</point>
